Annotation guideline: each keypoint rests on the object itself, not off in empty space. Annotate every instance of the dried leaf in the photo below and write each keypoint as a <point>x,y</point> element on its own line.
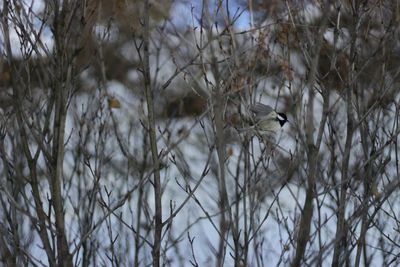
<point>113,103</point>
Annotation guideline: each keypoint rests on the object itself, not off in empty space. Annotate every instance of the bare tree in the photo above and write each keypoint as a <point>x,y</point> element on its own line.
<point>123,134</point>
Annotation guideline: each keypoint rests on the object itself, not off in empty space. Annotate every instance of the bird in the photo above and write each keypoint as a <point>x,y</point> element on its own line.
<point>265,120</point>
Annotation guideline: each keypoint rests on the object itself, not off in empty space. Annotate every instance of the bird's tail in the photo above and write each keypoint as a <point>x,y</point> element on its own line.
<point>246,129</point>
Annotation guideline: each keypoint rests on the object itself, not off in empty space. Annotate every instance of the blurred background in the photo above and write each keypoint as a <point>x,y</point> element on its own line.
<point>121,140</point>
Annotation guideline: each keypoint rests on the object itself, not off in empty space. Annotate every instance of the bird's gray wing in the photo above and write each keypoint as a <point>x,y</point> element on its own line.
<point>260,109</point>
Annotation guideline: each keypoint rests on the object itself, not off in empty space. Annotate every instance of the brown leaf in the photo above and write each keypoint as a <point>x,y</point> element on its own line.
<point>113,103</point>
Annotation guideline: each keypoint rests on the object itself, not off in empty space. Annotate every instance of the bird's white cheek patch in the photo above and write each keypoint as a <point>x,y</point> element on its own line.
<point>280,118</point>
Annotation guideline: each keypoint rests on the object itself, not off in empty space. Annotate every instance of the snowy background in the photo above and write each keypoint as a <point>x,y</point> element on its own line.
<point>332,68</point>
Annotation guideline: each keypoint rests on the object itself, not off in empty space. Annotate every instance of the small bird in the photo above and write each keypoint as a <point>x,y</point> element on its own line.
<point>266,120</point>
